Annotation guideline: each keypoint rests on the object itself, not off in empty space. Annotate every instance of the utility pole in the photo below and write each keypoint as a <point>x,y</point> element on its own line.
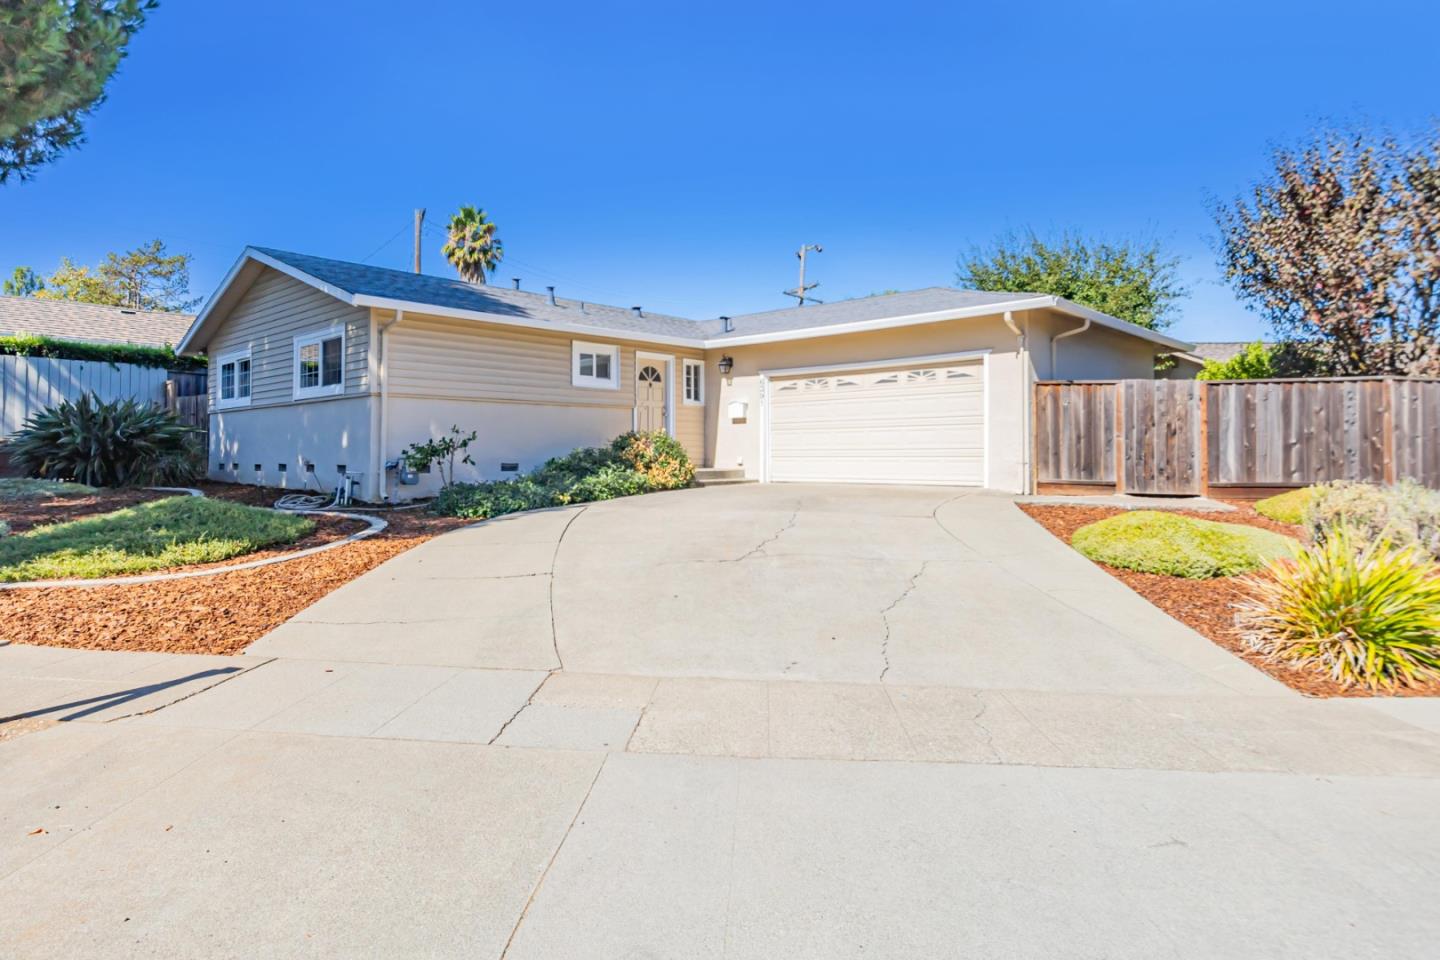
<point>800,290</point>
<point>419,222</point>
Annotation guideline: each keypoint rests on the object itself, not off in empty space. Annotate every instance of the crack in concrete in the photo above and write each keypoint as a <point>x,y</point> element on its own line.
<point>193,693</point>
<point>530,901</point>
<point>885,617</point>
<point>521,709</point>
<point>759,547</point>
<point>554,634</point>
<point>989,734</point>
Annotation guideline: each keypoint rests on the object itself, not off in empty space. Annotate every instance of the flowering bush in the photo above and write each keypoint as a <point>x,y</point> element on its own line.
<point>633,463</point>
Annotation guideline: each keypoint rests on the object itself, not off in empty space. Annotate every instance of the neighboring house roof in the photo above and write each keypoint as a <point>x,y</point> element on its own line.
<point>91,322</point>
<point>360,285</point>
<point>1222,350</point>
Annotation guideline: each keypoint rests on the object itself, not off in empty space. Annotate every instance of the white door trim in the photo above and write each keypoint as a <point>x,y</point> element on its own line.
<point>669,361</point>
<point>983,356</point>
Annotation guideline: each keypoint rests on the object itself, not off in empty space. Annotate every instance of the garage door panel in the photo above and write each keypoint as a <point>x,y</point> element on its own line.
<point>917,425</point>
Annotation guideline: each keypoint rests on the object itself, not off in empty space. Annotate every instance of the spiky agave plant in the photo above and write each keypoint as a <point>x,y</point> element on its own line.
<point>115,444</point>
<point>473,249</point>
<point>1365,613</point>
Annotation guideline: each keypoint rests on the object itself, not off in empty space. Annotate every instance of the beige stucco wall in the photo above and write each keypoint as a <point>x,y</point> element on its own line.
<point>328,433</point>
<point>1098,353</point>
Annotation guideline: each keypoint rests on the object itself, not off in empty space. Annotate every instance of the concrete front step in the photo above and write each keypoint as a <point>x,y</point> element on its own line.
<point>718,476</point>
<point>722,482</point>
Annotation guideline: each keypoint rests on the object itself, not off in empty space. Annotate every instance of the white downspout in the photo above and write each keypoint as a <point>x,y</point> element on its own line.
<point>382,441</point>
<point>1054,370</point>
<point>1023,353</point>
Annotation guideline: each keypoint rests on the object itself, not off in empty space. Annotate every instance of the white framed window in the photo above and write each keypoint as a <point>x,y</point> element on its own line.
<point>320,364</point>
<point>693,383</point>
<point>234,373</point>
<point>595,365</point>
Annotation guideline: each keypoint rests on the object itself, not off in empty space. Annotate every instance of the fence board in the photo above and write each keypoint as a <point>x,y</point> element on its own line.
<point>1252,434</point>
<point>30,384</point>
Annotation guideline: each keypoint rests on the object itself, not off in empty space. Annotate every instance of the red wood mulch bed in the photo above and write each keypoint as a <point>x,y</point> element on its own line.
<point>1207,606</point>
<point>220,614</point>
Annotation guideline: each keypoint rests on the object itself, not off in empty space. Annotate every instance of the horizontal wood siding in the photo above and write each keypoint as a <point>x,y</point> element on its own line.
<point>267,319</point>
<point>451,359</point>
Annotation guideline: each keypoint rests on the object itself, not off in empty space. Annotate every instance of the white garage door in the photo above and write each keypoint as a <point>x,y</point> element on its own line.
<point>913,424</point>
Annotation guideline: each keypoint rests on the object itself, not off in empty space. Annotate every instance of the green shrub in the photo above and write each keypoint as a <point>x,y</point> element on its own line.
<point>1366,613</point>
<point>1406,514</point>
<point>117,444</point>
<point>28,488</point>
<point>31,345</point>
<point>1288,507</point>
<point>658,456</point>
<point>1152,541</point>
<point>150,536</point>
<point>633,463</point>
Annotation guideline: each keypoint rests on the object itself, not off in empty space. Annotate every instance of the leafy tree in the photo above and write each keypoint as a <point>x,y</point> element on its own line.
<point>146,278</point>
<point>1339,248</point>
<point>473,249</point>
<point>55,58</point>
<point>1255,362</point>
<point>24,282</point>
<point>1132,280</point>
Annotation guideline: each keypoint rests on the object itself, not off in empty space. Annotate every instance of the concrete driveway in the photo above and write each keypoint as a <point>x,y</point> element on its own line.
<point>759,721</point>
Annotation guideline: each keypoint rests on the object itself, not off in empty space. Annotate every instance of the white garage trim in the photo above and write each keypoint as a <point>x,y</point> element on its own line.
<point>767,392</point>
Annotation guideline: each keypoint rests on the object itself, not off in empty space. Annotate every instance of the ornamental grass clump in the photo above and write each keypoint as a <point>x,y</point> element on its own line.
<point>1364,613</point>
<point>1151,541</point>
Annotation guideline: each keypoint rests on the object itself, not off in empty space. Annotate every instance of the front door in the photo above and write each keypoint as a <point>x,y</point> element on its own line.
<point>649,396</point>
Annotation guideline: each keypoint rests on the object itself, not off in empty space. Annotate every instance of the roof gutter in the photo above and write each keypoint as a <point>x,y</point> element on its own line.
<point>1022,353</point>
<point>1054,374</point>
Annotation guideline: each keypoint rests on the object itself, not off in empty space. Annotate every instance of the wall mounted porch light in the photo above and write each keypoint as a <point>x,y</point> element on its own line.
<point>726,365</point>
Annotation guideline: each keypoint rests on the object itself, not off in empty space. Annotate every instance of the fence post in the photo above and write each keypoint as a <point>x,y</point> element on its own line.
<point>1203,437</point>
<point>1119,436</point>
<point>1387,441</point>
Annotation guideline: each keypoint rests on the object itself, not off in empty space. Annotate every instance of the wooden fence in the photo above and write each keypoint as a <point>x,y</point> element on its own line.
<point>1246,438</point>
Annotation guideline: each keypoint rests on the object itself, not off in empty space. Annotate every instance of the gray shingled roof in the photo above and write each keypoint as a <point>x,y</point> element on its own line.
<point>879,307</point>
<point>91,322</point>
<point>362,280</point>
<point>1222,350</point>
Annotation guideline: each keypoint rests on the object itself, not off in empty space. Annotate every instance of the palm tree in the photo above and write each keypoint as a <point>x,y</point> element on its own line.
<point>472,247</point>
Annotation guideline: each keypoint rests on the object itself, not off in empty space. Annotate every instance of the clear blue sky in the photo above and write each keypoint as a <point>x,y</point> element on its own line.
<point>673,156</point>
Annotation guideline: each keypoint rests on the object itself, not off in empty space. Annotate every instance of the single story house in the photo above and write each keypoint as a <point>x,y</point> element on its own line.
<point>91,322</point>
<point>321,368</point>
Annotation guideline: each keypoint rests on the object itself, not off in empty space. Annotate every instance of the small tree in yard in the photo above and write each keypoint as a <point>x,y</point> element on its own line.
<point>1339,248</point>
<point>441,452</point>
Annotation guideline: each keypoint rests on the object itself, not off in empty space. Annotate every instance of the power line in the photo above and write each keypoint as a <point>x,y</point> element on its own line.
<point>385,244</point>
